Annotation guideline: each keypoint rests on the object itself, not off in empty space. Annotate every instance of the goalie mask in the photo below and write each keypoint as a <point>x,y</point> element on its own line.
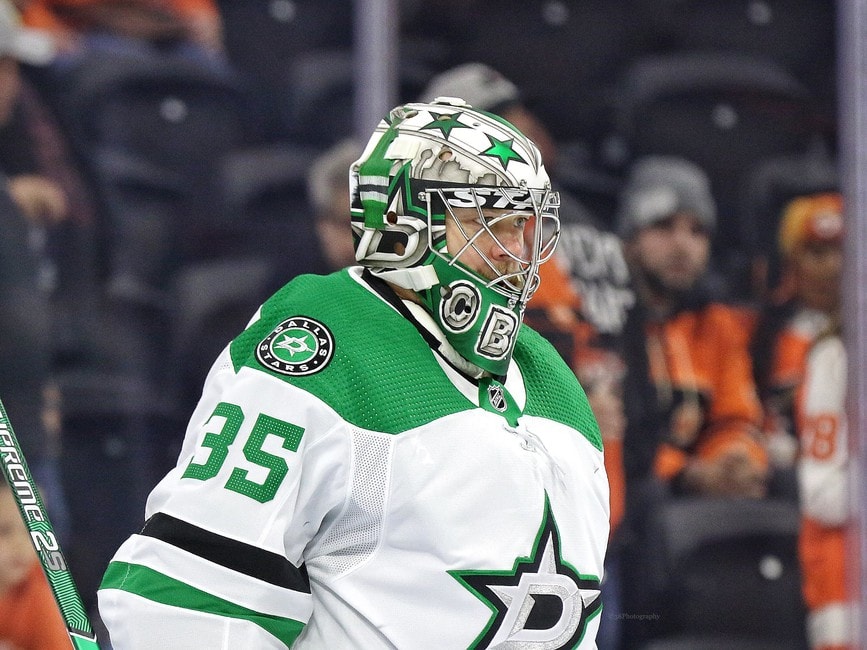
<point>455,204</point>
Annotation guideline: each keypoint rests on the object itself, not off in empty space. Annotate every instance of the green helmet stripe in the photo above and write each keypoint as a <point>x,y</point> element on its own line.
<point>374,180</point>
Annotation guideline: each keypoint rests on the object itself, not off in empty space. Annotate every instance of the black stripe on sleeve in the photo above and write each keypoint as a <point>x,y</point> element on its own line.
<point>232,554</point>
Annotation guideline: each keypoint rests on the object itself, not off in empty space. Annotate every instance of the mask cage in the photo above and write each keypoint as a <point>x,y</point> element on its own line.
<point>536,209</point>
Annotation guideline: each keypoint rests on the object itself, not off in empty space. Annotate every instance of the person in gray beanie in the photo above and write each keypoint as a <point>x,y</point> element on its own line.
<point>692,409</point>
<point>661,186</point>
<point>672,198</point>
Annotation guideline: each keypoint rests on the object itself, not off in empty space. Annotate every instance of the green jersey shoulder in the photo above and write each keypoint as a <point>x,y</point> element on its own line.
<point>334,338</point>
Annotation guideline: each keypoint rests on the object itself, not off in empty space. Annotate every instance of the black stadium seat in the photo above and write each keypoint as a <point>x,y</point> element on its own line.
<point>264,37</point>
<point>726,568</point>
<point>798,35</point>
<point>723,112</point>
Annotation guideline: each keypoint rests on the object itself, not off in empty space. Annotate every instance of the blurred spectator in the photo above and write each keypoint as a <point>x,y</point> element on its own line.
<point>800,366</point>
<point>192,27</point>
<point>39,198</point>
<point>823,473</point>
<point>31,619</point>
<point>35,153</point>
<point>329,200</point>
<point>28,203</point>
<point>321,243</point>
<point>58,335</point>
<point>693,412</point>
<point>25,343</point>
<point>804,305</point>
<point>696,352</point>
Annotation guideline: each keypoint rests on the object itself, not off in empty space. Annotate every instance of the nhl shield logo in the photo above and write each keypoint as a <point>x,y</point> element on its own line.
<point>298,346</point>
<point>497,398</point>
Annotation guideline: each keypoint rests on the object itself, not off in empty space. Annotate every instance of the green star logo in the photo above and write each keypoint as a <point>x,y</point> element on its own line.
<point>540,602</point>
<point>445,122</point>
<point>503,150</point>
<point>295,344</point>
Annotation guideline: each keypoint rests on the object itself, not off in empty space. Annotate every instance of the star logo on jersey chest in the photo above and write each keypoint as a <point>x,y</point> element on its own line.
<point>541,602</point>
<point>503,151</point>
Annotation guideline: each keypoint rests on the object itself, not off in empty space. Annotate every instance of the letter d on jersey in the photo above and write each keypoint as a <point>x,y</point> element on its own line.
<point>541,603</point>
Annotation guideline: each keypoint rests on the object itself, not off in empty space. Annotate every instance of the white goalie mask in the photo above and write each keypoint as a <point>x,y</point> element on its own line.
<point>455,204</point>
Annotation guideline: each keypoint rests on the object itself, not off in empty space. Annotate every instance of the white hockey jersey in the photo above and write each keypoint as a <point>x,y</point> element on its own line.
<point>824,478</point>
<point>823,467</point>
<point>341,485</point>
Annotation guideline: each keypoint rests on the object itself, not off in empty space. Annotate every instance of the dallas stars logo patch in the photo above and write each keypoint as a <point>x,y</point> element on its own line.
<point>298,346</point>
<point>542,602</point>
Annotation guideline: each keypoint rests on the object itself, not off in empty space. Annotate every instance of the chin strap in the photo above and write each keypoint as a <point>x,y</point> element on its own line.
<point>417,278</point>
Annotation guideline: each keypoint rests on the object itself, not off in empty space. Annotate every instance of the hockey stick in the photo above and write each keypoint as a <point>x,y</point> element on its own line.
<point>44,540</point>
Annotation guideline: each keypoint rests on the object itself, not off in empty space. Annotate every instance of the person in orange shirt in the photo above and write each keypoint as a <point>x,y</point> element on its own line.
<point>31,619</point>
<point>692,410</point>
<point>694,350</point>
<point>195,22</point>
